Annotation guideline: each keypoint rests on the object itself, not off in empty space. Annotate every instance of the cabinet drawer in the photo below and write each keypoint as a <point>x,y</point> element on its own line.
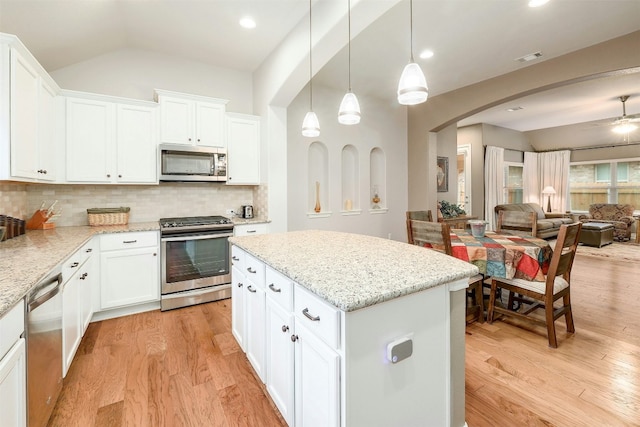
<point>75,261</point>
<point>254,270</point>
<point>138,239</point>
<point>249,229</point>
<point>279,288</point>
<point>237,258</point>
<point>316,315</point>
<point>11,327</point>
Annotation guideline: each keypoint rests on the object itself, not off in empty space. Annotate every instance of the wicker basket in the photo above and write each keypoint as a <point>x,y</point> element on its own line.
<point>108,216</point>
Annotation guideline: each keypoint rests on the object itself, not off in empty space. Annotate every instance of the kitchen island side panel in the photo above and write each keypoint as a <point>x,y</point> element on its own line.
<point>415,391</point>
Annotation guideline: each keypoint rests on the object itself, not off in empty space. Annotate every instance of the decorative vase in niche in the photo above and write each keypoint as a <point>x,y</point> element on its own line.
<point>376,198</point>
<point>317,207</point>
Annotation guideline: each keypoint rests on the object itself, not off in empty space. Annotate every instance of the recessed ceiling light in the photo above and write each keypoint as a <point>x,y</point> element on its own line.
<point>529,57</point>
<point>514,109</point>
<point>537,3</point>
<point>247,22</point>
<point>427,53</point>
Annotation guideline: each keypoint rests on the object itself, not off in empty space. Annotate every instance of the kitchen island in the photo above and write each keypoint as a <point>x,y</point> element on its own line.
<point>389,299</point>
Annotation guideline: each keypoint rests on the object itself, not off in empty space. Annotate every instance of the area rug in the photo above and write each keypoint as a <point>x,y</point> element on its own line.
<point>618,250</point>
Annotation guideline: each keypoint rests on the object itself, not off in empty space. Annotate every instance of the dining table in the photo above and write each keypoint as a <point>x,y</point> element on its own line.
<point>503,255</point>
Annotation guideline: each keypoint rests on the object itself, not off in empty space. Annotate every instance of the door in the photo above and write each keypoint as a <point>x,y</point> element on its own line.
<point>136,144</point>
<point>280,359</point>
<point>176,120</point>
<point>464,177</point>
<point>47,150</point>
<point>210,124</point>
<point>13,387</point>
<point>243,139</point>
<point>128,277</point>
<point>238,327</point>
<point>255,317</point>
<point>71,328</point>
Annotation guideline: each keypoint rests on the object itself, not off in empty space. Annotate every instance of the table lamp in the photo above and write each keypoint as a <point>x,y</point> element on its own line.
<point>548,190</point>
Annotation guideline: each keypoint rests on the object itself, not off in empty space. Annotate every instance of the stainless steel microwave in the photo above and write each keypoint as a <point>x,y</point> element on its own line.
<point>191,163</point>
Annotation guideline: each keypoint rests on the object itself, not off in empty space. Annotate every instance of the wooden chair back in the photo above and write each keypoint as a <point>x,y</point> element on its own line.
<point>563,254</point>
<point>517,223</point>
<point>434,235</point>
<point>420,216</point>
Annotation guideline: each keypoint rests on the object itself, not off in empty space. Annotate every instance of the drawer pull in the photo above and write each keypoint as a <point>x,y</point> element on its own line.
<point>239,284</point>
<point>309,316</point>
<point>274,289</point>
<point>75,264</point>
<point>89,250</point>
<point>129,241</point>
<point>235,258</point>
<point>251,231</point>
<point>250,289</point>
<point>83,276</point>
<point>294,338</point>
<point>251,270</point>
<point>285,328</point>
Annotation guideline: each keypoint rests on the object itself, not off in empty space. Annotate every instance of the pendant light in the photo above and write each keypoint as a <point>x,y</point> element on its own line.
<point>310,124</point>
<point>412,88</point>
<point>349,113</point>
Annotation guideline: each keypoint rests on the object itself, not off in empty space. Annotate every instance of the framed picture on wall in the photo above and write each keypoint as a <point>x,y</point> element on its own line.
<point>442,177</point>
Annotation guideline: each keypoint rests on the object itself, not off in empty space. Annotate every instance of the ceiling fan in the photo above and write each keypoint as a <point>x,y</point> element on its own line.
<point>625,124</point>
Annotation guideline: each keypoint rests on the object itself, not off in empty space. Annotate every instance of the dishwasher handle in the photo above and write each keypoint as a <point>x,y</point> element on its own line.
<point>36,300</point>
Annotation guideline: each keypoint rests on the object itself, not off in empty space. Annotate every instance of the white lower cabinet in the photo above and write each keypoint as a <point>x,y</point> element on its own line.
<point>237,307</point>
<point>13,369</point>
<point>129,269</point>
<point>255,323</point>
<point>280,358</point>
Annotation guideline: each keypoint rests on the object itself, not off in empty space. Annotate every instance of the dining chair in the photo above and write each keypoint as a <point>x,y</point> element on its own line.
<point>437,236</point>
<point>419,215</point>
<point>517,223</point>
<point>543,295</point>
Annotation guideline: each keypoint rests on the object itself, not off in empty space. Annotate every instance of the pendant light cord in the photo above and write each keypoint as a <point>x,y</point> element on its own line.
<point>411,26</point>
<point>310,64</point>
<point>349,14</point>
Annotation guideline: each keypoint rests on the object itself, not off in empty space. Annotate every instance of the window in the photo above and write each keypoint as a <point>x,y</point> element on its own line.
<point>604,182</point>
<point>512,182</point>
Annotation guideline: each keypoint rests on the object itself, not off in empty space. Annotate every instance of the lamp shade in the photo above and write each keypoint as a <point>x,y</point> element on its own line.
<point>625,128</point>
<point>548,190</point>
<point>412,88</point>
<point>349,113</point>
<point>311,125</point>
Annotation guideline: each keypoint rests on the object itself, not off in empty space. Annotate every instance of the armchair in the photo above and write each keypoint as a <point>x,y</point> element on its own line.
<point>620,216</point>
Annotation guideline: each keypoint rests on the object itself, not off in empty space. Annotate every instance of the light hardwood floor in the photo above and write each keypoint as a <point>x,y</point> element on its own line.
<point>184,368</point>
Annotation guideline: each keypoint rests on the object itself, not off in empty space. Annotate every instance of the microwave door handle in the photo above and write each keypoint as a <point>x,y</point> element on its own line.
<point>202,237</point>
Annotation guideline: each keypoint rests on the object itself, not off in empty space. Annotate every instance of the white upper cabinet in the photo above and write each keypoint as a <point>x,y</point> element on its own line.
<point>191,119</point>
<point>110,140</point>
<point>243,149</point>
<point>27,116</point>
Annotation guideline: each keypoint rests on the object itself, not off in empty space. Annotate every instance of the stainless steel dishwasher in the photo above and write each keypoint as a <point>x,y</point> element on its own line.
<point>44,348</point>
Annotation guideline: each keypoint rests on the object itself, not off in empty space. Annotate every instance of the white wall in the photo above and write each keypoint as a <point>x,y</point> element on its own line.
<point>134,73</point>
<point>383,126</point>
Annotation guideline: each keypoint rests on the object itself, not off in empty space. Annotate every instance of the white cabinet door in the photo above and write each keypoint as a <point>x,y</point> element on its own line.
<point>88,281</point>
<point>176,120</point>
<point>47,150</point>
<point>243,149</point>
<point>24,118</point>
<point>238,325</point>
<point>280,359</point>
<point>13,387</point>
<point>136,143</point>
<point>209,124</point>
<point>89,140</point>
<point>71,326</point>
<point>255,318</point>
<point>317,381</point>
<point>128,277</point>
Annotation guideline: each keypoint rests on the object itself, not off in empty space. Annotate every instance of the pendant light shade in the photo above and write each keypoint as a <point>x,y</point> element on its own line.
<point>412,88</point>
<point>349,112</point>
<point>310,125</point>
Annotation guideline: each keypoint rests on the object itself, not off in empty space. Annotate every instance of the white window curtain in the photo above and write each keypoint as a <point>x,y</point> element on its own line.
<point>531,189</point>
<point>547,170</point>
<point>493,183</point>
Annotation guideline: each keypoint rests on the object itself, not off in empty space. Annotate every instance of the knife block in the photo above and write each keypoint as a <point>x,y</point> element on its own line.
<point>38,221</point>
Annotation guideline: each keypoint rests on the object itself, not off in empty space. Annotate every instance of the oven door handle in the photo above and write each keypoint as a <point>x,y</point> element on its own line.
<point>198,237</point>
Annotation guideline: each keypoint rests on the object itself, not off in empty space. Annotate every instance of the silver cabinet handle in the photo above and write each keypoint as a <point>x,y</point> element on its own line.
<point>129,241</point>
<point>294,338</point>
<point>274,289</point>
<point>250,289</point>
<point>75,264</point>
<point>250,270</point>
<point>309,316</point>
<point>285,328</point>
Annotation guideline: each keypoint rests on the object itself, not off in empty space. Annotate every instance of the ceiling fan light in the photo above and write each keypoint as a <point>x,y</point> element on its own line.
<point>412,88</point>
<point>349,113</point>
<point>310,125</point>
<point>625,128</point>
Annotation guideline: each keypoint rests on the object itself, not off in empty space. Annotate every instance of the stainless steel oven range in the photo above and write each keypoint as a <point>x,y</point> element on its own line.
<point>195,264</point>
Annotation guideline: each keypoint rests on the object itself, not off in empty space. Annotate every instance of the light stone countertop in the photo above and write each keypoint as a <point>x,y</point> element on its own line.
<point>353,271</point>
<point>27,259</point>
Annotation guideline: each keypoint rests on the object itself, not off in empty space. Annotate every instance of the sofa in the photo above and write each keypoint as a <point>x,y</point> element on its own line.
<point>620,216</point>
<point>548,224</point>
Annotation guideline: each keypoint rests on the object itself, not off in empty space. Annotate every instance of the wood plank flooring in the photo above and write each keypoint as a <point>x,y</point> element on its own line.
<point>184,368</point>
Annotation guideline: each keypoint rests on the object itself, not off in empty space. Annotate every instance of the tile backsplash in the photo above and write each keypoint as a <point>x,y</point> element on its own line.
<point>147,202</point>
